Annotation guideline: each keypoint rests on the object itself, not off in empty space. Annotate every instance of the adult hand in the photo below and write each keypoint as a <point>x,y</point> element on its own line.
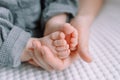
<point>42,56</point>
<point>82,26</point>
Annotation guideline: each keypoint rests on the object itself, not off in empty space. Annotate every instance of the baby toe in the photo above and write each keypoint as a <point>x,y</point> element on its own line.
<point>75,34</point>
<point>62,48</point>
<point>59,42</point>
<point>64,54</point>
<point>62,35</point>
<point>73,42</point>
<point>57,35</point>
<point>73,48</point>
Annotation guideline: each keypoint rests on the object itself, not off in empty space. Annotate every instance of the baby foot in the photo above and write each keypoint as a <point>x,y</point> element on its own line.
<point>57,44</point>
<point>71,35</point>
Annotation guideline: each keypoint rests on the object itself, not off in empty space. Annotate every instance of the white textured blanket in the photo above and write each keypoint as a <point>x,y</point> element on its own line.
<point>104,47</point>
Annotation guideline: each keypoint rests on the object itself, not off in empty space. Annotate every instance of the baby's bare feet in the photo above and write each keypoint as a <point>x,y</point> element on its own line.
<point>62,41</point>
<point>71,35</point>
<point>57,44</point>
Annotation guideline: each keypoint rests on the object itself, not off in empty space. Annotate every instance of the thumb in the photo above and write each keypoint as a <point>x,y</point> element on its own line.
<point>84,54</point>
<point>83,48</point>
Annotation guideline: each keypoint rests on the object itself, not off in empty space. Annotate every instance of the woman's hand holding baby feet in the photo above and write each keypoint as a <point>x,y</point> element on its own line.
<point>43,57</point>
<point>63,41</point>
<point>55,62</point>
<point>57,44</point>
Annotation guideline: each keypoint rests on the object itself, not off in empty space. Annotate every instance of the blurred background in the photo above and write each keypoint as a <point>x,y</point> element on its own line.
<point>104,48</point>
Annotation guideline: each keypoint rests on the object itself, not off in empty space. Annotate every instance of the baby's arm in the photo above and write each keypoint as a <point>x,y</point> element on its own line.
<point>43,57</point>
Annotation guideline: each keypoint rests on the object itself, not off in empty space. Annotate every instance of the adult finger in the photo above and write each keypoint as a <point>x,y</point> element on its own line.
<point>55,62</point>
<point>38,56</point>
<point>83,48</point>
<point>33,63</point>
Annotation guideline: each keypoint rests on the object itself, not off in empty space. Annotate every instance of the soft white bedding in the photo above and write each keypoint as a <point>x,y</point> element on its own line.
<point>104,47</point>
